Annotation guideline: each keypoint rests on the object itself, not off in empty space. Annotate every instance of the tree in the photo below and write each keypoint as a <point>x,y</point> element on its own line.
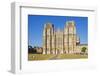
<point>30,49</point>
<point>34,51</point>
<point>83,50</point>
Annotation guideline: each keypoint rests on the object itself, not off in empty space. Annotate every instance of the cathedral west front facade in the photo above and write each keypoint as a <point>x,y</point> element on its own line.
<point>57,41</point>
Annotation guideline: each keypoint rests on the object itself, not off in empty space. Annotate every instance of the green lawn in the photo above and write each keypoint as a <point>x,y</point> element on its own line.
<point>39,56</point>
<point>72,56</point>
<point>32,57</point>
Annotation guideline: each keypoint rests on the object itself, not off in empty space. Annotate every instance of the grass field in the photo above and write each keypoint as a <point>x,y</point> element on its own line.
<point>39,56</point>
<point>32,57</point>
<point>72,56</point>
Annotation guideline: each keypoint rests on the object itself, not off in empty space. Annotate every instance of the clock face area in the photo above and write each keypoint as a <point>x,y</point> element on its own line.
<point>57,37</point>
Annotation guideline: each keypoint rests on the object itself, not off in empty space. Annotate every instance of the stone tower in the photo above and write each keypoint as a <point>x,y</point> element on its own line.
<point>71,36</point>
<point>48,38</point>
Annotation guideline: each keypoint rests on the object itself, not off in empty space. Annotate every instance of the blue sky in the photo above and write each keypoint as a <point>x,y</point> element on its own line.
<point>36,25</point>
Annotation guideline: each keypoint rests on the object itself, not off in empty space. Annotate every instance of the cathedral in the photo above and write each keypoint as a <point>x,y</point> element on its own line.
<point>57,41</point>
